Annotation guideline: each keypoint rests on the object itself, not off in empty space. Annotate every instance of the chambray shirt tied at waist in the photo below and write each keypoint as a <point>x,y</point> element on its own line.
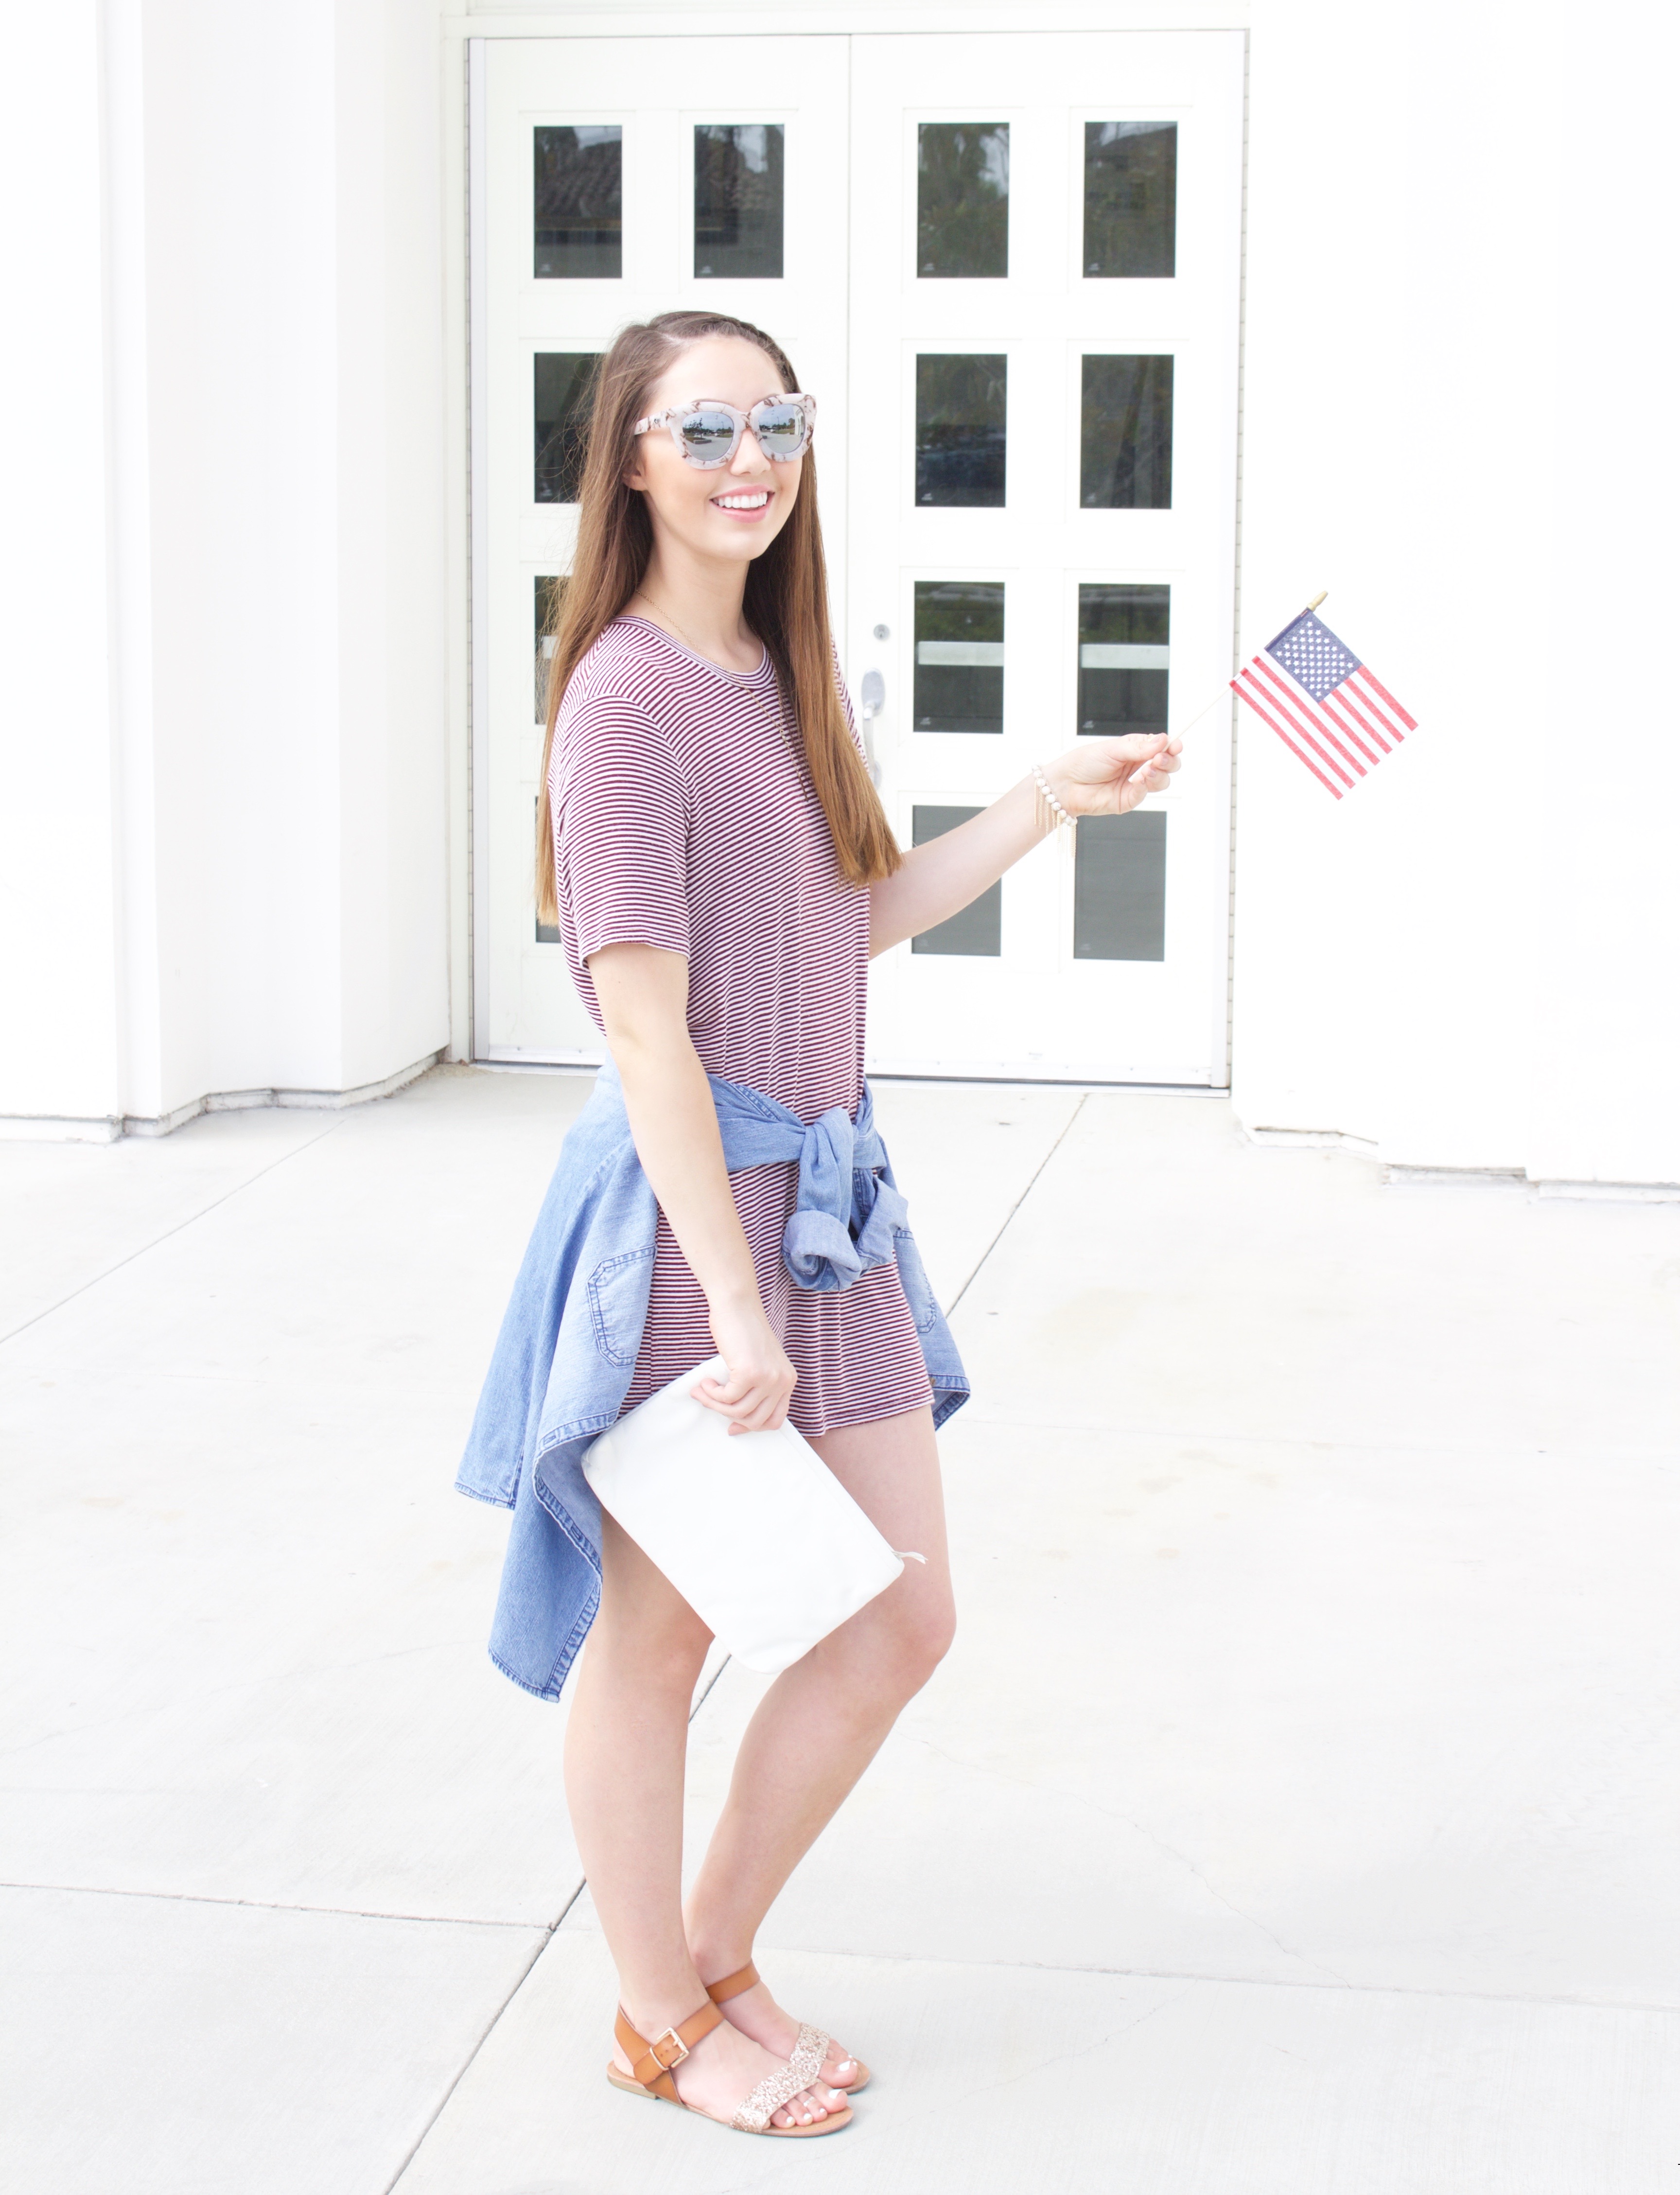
<point>567,1350</point>
<point>846,1218</point>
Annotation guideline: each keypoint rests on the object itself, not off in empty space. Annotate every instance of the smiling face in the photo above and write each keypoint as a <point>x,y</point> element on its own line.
<point>731,513</point>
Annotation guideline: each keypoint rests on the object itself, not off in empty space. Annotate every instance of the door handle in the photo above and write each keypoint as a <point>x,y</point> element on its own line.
<point>872,697</point>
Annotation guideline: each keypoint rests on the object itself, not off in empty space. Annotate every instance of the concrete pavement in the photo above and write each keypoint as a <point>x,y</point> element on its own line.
<point>1295,1813</point>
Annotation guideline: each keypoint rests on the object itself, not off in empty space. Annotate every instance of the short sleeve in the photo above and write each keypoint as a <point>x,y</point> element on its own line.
<point>621,812</point>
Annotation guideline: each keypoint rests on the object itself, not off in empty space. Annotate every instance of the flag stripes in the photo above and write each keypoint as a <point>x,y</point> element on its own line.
<point>1245,690</point>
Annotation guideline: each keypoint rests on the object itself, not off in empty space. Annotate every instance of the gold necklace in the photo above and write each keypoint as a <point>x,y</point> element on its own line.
<point>683,637</point>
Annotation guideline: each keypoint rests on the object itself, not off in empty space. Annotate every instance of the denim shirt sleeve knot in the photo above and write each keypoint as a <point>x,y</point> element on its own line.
<point>847,1218</point>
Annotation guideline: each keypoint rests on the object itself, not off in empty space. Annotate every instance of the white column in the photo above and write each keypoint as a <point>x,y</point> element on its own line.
<point>59,1055</point>
<point>224,827</point>
<point>140,1030</point>
<point>1606,930</point>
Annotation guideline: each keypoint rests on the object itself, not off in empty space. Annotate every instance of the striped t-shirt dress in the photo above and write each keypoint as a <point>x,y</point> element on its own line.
<point>684,818</point>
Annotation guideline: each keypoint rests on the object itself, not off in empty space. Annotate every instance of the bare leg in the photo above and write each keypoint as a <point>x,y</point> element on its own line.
<point>822,1722</point>
<point>625,1749</point>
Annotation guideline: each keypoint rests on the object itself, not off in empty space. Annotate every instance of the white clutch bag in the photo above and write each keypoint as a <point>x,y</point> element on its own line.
<point>754,1529</point>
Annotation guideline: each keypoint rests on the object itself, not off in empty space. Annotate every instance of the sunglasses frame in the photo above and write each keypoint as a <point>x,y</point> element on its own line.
<point>740,421</point>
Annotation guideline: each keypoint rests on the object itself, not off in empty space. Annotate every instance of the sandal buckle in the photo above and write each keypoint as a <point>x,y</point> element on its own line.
<point>677,2043</point>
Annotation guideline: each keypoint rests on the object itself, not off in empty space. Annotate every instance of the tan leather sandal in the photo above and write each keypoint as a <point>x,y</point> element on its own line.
<point>748,1977</point>
<point>650,2064</point>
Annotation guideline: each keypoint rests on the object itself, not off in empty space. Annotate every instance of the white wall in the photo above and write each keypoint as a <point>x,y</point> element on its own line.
<point>1607,1052</point>
<point>1458,417</point>
<point>268,346</point>
<point>58,1011</point>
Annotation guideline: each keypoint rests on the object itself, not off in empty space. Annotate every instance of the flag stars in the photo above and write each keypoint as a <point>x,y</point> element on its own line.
<point>1313,655</point>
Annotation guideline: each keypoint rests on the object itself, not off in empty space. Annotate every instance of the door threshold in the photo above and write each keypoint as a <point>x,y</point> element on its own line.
<point>1017,1080</point>
<point>503,1060</point>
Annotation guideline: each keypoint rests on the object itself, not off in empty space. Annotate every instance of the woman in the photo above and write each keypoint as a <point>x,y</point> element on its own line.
<point>721,870</point>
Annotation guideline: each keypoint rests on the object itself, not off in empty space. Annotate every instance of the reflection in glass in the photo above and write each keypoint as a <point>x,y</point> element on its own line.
<point>1126,434</point>
<point>737,200</point>
<point>1120,887</point>
<point>1131,198</point>
<point>962,198</point>
<point>960,402</point>
<point>577,203</point>
<point>564,387</point>
<point>978,931</point>
<point>1123,632</point>
<point>959,656</point>
<point>547,933</point>
<point>546,592</point>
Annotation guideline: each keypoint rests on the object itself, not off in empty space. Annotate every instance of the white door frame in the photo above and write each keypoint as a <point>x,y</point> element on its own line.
<point>478,386</point>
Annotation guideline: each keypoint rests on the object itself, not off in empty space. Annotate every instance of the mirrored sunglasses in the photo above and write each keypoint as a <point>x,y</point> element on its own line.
<point>708,433</point>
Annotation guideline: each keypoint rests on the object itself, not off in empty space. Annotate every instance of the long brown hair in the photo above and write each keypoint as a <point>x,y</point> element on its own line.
<point>786,602</point>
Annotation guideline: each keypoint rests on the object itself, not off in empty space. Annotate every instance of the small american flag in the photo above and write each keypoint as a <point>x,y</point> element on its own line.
<point>1323,703</point>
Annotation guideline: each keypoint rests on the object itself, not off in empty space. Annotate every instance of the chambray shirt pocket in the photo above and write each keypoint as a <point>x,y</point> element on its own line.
<point>913,1277</point>
<point>618,1303</point>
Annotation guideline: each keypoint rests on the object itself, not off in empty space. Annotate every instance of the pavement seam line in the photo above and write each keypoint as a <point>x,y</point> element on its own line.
<point>191,1220</point>
<point>277,1906</point>
<point>549,1934</point>
<point>1332,1444</point>
<point>1241,1981</point>
<point>711,1688</point>
<point>468,2062</point>
<point>1003,1228</point>
<point>547,1930</point>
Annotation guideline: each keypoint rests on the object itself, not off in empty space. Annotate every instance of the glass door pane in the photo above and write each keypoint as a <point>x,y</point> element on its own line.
<point>977,932</point>
<point>1120,886</point>
<point>737,200</point>
<point>1124,659</point>
<point>563,388</point>
<point>963,200</point>
<point>959,656</point>
<point>1126,434</point>
<point>1131,199</point>
<point>577,203</point>
<point>961,430</point>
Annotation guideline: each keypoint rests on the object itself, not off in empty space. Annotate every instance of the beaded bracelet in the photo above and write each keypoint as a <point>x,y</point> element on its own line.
<point>1057,810</point>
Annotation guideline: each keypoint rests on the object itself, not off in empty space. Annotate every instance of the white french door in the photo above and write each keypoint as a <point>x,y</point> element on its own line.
<point>1044,297</point>
<point>1017,304</point>
<point>621,177</point>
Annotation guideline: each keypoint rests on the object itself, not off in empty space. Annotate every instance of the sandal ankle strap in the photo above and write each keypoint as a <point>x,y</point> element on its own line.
<point>743,1978</point>
<point>651,2062</point>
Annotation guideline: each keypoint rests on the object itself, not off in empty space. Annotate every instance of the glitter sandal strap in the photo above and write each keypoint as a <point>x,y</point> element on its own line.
<point>779,2088</point>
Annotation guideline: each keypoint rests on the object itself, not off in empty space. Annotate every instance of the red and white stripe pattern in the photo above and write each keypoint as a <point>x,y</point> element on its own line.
<point>1324,704</point>
<point>684,818</point>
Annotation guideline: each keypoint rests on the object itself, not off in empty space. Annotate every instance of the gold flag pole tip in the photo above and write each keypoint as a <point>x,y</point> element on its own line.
<point>1316,599</point>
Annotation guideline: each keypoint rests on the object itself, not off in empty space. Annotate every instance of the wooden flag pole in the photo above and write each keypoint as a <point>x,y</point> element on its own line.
<point>1225,692</point>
